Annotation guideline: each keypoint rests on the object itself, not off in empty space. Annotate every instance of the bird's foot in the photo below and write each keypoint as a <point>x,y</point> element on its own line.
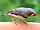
<point>25,22</point>
<point>15,23</point>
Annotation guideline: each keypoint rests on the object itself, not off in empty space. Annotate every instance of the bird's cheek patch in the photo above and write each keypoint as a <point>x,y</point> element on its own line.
<point>28,13</point>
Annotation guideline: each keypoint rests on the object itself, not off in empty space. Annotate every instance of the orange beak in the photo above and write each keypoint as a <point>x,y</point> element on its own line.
<point>34,14</point>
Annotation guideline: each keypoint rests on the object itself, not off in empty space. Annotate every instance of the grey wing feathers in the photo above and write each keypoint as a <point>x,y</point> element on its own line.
<point>15,11</point>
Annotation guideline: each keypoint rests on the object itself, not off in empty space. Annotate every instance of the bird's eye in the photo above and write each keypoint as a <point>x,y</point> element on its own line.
<point>32,13</point>
<point>12,13</point>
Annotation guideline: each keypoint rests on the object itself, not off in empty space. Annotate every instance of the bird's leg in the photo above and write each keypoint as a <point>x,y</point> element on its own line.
<point>9,15</point>
<point>19,17</point>
<point>12,15</point>
<point>13,19</point>
<point>22,19</point>
<point>24,22</point>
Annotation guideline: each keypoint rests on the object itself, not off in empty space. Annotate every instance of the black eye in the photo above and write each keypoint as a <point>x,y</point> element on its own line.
<point>12,13</point>
<point>32,13</point>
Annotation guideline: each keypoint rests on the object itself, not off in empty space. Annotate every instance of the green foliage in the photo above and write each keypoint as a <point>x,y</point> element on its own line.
<point>6,5</point>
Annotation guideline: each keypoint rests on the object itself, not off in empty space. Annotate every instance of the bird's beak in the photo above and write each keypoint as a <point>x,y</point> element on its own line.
<point>34,14</point>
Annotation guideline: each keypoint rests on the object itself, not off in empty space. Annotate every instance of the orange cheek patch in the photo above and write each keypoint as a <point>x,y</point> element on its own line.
<point>28,13</point>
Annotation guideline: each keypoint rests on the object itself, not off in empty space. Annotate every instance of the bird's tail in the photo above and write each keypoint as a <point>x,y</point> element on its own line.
<point>6,14</point>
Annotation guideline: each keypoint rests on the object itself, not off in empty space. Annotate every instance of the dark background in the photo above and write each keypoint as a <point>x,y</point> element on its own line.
<point>6,5</point>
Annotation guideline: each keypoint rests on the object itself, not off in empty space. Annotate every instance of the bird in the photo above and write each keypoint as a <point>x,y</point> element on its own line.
<point>21,13</point>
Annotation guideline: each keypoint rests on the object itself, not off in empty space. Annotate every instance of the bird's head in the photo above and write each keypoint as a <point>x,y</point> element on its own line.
<point>31,12</point>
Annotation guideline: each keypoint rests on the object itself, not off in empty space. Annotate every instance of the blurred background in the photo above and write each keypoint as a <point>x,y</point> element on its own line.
<point>6,5</point>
